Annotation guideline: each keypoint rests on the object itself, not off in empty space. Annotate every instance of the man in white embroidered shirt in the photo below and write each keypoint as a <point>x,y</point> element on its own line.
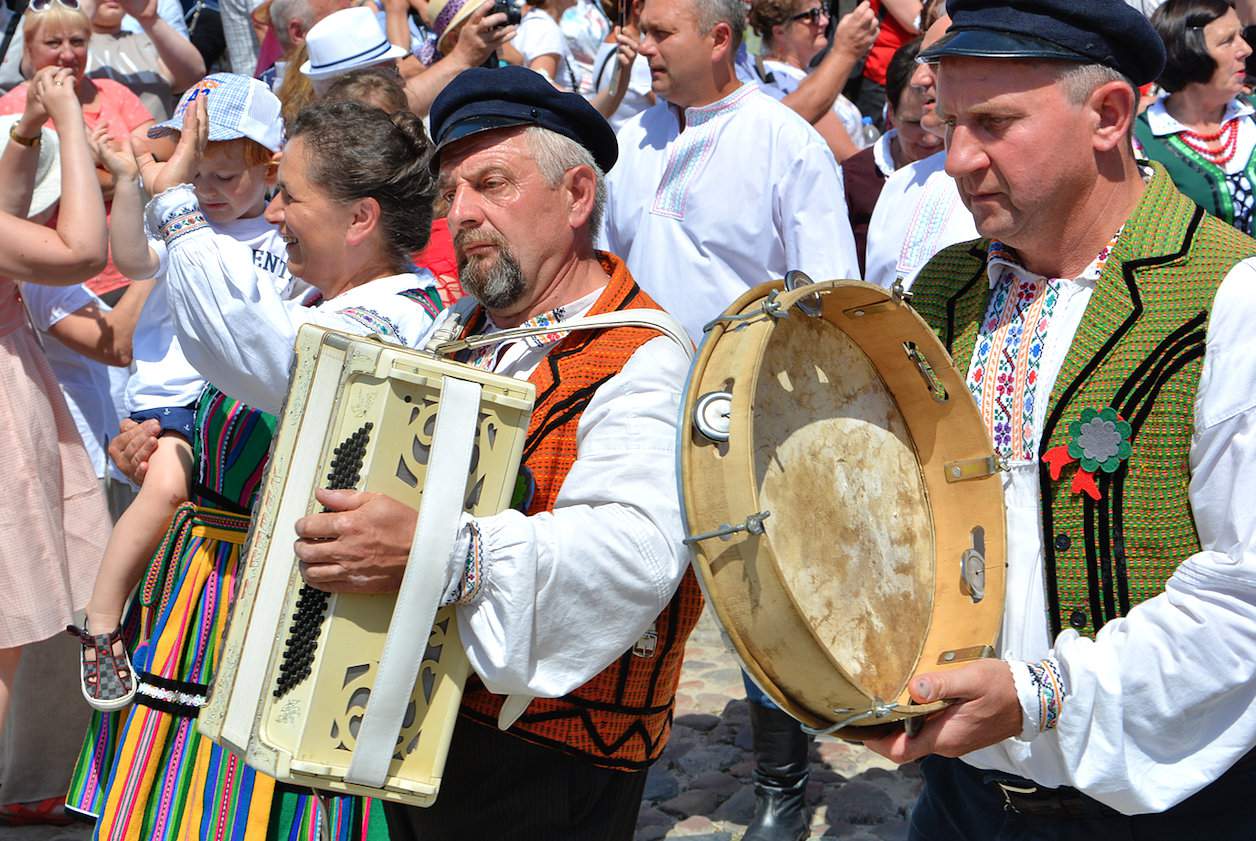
<point>1105,325</point>
<point>553,594</point>
<point>719,187</point>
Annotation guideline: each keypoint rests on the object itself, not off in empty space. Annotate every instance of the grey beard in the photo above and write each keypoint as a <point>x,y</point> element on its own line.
<point>497,284</point>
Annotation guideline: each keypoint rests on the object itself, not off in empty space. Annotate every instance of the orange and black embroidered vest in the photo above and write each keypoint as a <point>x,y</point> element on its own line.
<point>1139,351</point>
<point>622,717</point>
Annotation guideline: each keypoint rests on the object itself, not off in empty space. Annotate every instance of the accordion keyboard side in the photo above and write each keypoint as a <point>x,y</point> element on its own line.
<point>298,720</point>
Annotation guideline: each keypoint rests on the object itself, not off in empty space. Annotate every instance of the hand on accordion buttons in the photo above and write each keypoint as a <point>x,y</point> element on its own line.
<point>985,711</point>
<point>359,545</point>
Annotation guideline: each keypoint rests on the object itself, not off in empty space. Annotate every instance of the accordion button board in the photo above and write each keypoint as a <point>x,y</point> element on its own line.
<point>298,664</point>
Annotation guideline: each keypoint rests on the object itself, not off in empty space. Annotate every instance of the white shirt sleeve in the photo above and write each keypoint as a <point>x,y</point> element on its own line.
<point>49,304</point>
<point>810,209</point>
<point>237,328</point>
<point>1163,701</point>
<point>567,592</point>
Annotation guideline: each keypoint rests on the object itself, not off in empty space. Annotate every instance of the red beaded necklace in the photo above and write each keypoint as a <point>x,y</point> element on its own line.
<point>1206,144</point>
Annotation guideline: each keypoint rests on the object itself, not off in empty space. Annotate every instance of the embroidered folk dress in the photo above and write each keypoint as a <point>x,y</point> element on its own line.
<point>54,519</point>
<point>744,193</point>
<point>1226,190</point>
<point>145,772</point>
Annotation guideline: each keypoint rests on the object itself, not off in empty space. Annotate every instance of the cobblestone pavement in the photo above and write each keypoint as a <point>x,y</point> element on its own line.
<point>700,790</point>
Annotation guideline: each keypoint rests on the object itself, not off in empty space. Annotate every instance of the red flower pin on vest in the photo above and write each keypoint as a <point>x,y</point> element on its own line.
<point>1100,441</point>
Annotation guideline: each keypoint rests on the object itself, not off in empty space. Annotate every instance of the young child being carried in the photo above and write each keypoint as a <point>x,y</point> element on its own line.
<point>230,179</point>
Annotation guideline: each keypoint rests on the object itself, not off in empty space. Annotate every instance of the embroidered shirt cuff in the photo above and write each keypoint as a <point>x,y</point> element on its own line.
<point>1040,688</point>
<point>468,555</point>
<point>175,213</point>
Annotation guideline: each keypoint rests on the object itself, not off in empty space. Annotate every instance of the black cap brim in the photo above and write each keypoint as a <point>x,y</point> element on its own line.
<point>476,124</point>
<point>990,43</point>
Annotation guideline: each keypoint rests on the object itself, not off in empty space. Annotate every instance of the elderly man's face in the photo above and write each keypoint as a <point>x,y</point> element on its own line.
<point>1019,150</point>
<point>508,223</point>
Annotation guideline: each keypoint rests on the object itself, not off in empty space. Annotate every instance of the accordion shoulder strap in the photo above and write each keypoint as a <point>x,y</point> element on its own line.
<point>649,319</point>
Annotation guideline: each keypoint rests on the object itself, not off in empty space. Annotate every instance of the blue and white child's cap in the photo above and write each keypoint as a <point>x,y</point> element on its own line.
<point>238,107</point>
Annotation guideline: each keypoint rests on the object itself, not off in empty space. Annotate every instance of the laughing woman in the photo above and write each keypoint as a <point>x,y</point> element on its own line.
<point>1204,129</point>
<point>354,200</point>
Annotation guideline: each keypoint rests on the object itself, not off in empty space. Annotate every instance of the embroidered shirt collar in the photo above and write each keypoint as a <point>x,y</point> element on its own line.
<point>1001,257</point>
<point>700,114</point>
<point>555,316</point>
<point>1162,123</point>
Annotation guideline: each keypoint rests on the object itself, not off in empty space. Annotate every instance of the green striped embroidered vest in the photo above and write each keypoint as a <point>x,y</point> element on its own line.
<point>1139,349</point>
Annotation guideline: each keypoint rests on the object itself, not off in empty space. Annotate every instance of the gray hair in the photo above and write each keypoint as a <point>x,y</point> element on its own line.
<point>711,12</point>
<point>282,12</point>
<point>556,154</point>
<point>1081,80</point>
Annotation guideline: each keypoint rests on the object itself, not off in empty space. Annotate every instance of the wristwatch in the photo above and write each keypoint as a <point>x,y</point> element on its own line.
<point>28,142</point>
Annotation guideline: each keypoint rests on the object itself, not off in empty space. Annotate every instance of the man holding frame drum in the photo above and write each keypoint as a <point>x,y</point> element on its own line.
<point>577,602</point>
<point>1105,324</point>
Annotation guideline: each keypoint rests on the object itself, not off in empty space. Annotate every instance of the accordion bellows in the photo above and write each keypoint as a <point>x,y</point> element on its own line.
<point>299,666</point>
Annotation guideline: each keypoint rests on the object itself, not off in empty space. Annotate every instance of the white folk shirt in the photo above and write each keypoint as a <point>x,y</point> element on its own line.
<point>239,330</point>
<point>1163,700</point>
<point>566,592</point>
<point>744,193</point>
<point>918,214</point>
<point>163,375</point>
<point>786,78</point>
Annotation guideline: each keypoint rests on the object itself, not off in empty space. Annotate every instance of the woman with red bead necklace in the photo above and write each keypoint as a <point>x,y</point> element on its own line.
<point>1203,130</point>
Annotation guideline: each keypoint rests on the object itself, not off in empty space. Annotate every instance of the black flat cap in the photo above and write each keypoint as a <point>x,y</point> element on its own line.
<point>1107,32</point>
<point>483,99</point>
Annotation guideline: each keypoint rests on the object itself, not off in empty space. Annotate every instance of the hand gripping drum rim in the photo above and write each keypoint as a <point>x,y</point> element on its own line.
<point>741,543</point>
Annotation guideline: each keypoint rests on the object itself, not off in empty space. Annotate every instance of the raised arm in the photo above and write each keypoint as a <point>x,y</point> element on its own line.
<point>815,95</point>
<point>182,62</point>
<point>481,36</point>
<point>127,240</point>
<point>20,161</point>
<point>607,102</point>
<point>76,249</point>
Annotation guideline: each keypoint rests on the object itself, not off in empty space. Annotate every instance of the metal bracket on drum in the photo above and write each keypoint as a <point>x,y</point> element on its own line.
<point>770,308</point>
<point>972,567</point>
<point>809,305</point>
<point>892,303</point>
<point>752,525</point>
<point>966,469</point>
<point>963,655</point>
<point>936,389</point>
<point>877,712</point>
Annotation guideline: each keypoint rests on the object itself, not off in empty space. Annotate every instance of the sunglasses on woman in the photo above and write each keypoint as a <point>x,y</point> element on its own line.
<point>811,16</point>
<point>44,5</point>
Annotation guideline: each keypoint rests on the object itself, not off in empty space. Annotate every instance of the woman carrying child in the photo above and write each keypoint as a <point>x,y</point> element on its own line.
<point>361,182</point>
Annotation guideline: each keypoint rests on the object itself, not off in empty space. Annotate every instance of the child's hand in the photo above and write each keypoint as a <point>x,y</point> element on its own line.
<point>187,157</point>
<point>114,154</point>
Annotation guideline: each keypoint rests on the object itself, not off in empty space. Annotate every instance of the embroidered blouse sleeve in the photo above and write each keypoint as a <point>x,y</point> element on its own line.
<point>234,324</point>
<point>562,594</point>
<point>1163,701</point>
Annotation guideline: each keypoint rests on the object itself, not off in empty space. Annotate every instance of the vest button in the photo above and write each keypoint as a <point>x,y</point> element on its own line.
<point>1062,542</point>
<point>1077,619</point>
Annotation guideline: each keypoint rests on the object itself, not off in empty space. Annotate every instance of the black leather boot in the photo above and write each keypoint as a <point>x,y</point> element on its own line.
<point>780,777</point>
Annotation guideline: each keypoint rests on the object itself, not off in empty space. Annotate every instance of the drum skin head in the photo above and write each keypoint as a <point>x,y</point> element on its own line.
<point>828,526</point>
<point>835,464</point>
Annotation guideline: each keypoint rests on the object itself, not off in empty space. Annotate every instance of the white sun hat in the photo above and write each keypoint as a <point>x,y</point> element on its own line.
<point>349,39</point>
<point>47,170</point>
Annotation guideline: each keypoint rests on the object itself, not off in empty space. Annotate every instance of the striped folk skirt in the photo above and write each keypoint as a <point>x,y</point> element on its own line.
<point>145,773</point>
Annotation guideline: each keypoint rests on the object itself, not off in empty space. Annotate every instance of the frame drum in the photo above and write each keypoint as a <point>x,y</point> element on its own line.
<point>842,500</point>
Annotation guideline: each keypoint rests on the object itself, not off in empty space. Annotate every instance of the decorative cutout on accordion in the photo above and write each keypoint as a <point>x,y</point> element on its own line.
<point>423,423</point>
<point>356,692</point>
<point>311,606</point>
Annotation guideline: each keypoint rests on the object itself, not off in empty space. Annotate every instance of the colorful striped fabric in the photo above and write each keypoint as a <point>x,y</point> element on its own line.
<point>145,772</point>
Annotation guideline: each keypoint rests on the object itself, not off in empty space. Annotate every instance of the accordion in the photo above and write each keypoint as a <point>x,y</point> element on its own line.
<point>351,693</point>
